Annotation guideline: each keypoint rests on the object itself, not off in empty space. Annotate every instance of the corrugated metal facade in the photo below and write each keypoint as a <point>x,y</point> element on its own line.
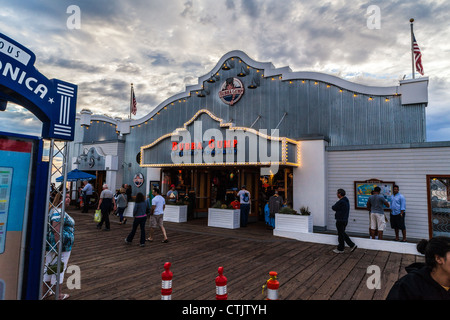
<point>299,104</point>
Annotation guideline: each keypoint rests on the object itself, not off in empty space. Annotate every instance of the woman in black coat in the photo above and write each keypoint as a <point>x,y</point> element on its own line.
<point>429,280</point>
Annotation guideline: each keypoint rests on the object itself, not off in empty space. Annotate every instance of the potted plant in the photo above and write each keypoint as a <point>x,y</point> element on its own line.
<point>291,221</point>
<point>176,212</point>
<point>224,216</point>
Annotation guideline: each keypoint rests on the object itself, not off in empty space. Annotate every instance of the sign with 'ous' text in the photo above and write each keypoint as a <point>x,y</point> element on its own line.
<point>51,101</point>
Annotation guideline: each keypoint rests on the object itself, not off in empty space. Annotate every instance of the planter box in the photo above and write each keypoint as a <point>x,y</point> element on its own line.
<point>293,223</point>
<point>224,218</point>
<point>175,213</point>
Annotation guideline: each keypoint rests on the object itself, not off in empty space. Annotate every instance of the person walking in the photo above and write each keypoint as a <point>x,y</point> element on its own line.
<point>53,237</point>
<point>429,280</point>
<point>398,208</point>
<point>86,192</point>
<point>140,217</point>
<point>377,219</point>
<point>106,204</point>
<point>275,204</point>
<point>122,204</point>
<point>157,214</point>
<point>342,208</point>
<point>244,199</point>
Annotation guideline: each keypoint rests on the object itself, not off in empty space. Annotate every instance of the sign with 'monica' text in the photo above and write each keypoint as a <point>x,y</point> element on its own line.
<point>51,101</point>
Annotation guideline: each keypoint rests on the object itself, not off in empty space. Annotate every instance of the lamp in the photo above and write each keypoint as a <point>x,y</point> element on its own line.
<point>243,72</point>
<point>202,93</point>
<point>254,84</point>
<point>212,79</point>
<point>226,66</point>
<point>126,164</point>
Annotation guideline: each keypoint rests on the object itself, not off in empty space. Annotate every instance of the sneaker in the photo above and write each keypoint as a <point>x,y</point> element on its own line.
<point>338,251</point>
<point>142,245</point>
<point>127,241</point>
<point>353,248</point>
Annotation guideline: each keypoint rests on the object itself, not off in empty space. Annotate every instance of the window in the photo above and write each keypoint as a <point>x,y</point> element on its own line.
<point>439,205</point>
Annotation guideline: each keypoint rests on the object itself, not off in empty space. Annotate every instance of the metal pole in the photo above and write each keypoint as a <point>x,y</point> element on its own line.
<point>412,48</point>
<point>63,214</point>
<point>47,209</point>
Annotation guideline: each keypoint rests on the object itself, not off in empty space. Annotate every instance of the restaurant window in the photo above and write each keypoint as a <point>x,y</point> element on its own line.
<point>439,205</point>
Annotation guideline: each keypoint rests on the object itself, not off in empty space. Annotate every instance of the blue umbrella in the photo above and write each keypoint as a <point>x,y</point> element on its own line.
<point>76,175</point>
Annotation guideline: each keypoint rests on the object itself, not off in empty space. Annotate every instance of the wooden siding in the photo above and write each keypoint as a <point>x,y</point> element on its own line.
<point>408,167</point>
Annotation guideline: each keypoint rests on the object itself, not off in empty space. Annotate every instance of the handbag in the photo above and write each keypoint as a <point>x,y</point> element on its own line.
<point>98,216</point>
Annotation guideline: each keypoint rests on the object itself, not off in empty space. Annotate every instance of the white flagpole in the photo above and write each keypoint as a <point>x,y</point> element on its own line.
<point>131,99</point>
<point>412,48</point>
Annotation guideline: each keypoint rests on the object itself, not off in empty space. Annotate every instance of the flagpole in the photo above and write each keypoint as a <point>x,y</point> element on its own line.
<point>412,48</point>
<point>131,98</point>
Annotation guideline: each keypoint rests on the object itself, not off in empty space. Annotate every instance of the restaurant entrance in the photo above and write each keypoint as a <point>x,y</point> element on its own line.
<point>205,187</point>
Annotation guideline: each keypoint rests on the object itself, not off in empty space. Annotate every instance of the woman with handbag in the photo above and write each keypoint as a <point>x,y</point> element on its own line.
<point>122,204</point>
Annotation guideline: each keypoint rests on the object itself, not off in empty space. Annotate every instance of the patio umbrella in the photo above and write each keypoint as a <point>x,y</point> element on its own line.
<point>76,175</point>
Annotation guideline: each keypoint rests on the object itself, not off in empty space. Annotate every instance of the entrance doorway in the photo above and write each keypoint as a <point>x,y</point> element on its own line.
<point>204,187</point>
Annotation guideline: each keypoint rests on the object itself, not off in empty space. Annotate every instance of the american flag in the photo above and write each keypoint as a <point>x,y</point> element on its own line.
<point>417,56</point>
<point>133,105</point>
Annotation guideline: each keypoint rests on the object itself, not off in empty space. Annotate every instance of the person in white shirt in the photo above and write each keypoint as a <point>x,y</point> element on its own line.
<point>244,197</point>
<point>156,215</point>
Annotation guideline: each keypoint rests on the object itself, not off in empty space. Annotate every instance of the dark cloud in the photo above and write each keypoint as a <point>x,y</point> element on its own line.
<point>71,64</point>
<point>163,45</point>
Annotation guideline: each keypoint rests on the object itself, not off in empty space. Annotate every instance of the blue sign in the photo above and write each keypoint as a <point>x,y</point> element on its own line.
<point>51,101</point>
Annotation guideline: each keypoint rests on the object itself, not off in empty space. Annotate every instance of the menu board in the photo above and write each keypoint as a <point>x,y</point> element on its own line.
<point>363,190</point>
<point>5,192</point>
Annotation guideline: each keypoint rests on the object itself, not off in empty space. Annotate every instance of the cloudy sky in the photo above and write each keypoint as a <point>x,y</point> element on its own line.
<point>164,45</point>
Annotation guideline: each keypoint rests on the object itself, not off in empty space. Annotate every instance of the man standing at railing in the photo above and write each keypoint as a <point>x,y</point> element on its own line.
<point>86,193</point>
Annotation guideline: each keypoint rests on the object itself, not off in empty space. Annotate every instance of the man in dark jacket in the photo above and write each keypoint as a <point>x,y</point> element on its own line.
<point>342,208</point>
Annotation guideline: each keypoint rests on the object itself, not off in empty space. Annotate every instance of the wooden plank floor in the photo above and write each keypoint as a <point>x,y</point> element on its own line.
<point>111,269</point>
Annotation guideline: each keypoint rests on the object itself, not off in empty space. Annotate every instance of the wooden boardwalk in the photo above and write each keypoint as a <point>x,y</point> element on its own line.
<point>111,269</point>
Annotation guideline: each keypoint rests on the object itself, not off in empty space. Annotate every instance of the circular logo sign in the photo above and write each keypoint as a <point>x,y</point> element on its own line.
<point>231,91</point>
<point>138,179</point>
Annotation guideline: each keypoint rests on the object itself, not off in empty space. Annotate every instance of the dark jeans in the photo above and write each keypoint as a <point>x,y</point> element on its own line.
<point>105,219</point>
<point>342,236</point>
<point>86,200</point>
<point>120,212</point>
<point>245,210</point>
<point>138,222</point>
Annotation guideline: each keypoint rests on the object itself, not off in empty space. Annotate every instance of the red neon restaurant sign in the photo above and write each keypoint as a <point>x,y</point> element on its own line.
<point>212,144</point>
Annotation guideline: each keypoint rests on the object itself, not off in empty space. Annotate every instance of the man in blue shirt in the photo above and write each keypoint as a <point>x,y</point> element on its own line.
<point>87,193</point>
<point>398,207</point>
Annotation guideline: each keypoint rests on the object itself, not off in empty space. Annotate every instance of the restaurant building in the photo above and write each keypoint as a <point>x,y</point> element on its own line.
<point>305,134</point>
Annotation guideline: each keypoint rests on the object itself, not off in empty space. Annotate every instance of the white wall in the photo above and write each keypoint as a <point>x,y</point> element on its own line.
<point>153,174</point>
<point>310,180</point>
<point>406,167</point>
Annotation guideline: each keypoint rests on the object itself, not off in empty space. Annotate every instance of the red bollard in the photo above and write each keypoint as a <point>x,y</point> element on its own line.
<point>221,286</point>
<point>272,286</point>
<point>166,287</point>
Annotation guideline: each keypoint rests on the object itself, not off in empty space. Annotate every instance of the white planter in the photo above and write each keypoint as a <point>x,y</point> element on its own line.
<point>224,218</point>
<point>129,210</point>
<point>293,223</point>
<point>175,213</point>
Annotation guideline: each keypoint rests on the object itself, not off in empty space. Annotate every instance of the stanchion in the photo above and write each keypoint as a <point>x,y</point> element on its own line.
<point>166,287</point>
<point>272,286</point>
<point>221,286</point>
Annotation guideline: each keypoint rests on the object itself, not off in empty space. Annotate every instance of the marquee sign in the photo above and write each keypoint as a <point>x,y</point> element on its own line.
<point>231,91</point>
<point>207,140</point>
<point>51,101</point>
